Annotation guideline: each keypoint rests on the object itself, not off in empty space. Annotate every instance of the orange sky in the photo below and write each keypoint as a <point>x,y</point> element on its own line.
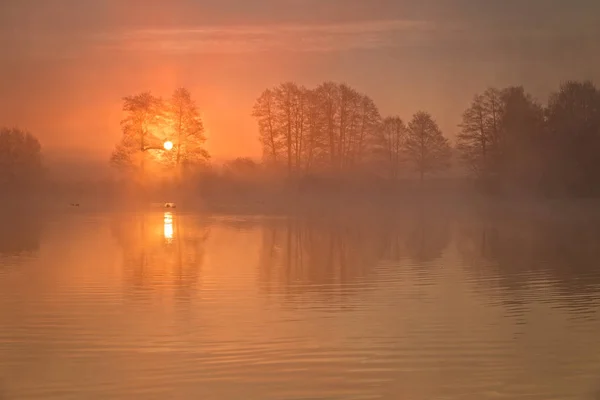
<point>67,63</point>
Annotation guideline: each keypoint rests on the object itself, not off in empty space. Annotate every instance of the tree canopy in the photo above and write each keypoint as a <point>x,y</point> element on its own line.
<point>426,147</point>
<point>510,141</point>
<point>151,121</point>
<point>20,158</point>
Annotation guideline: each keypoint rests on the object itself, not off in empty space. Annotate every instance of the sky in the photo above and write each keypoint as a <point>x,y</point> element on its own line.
<point>66,64</point>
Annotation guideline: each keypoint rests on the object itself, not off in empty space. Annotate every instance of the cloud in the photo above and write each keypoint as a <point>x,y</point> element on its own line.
<point>290,37</point>
<point>431,35</point>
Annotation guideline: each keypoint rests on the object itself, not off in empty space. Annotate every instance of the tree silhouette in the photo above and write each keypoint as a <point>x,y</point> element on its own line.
<point>241,167</point>
<point>20,158</point>
<point>369,123</point>
<point>265,112</point>
<point>284,120</point>
<point>327,128</point>
<point>573,123</point>
<point>150,122</point>
<point>509,141</point>
<point>479,136</point>
<point>141,128</point>
<point>388,146</point>
<point>426,148</point>
<point>349,103</point>
<point>502,139</point>
<point>286,98</point>
<point>188,130</point>
<point>522,140</point>
<point>327,95</point>
<point>313,148</point>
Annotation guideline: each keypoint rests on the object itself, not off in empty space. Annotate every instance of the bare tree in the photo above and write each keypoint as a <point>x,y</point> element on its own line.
<point>300,129</point>
<point>425,146</point>
<point>265,111</point>
<point>284,99</point>
<point>479,139</point>
<point>501,138</point>
<point>506,138</point>
<point>494,109</point>
<point>329,126</point>
<point>369,123</point>
<point>188,130</point>
<point>289,122</point>
<point>313,148</point>
<point>348,122</point>
<point>328,100</point>
<point>142,129</point>
<point>388,145</point>
<point>473,140</point>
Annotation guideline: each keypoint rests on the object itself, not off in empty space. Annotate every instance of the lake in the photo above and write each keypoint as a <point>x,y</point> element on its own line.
<point>422,303</point>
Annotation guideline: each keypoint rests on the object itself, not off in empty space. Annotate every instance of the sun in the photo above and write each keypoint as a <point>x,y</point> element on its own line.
<point>168,145</point>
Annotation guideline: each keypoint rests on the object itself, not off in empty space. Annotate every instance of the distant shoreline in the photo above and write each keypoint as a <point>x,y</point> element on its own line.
<point>347,201</point>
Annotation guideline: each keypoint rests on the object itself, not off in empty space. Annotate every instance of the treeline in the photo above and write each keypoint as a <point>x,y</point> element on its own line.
<point>512,142</point>
<point>334,129</point>
<point>507,139</point>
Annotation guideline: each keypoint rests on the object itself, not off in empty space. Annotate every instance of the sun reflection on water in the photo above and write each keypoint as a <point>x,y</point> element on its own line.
<point>168,227</point>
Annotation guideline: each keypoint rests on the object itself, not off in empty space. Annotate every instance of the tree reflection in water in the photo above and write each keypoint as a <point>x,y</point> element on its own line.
<point>518,254</point>
<point>162,251</point>
<point>20,235</point>
<point>330,257</point>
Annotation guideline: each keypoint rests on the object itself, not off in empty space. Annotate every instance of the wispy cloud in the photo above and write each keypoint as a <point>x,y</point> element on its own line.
<point>291,37</point>
<point>434,35</point>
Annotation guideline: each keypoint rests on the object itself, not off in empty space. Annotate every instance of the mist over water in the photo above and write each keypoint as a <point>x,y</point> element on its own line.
<point>299,200</point>
<point>454,302</point>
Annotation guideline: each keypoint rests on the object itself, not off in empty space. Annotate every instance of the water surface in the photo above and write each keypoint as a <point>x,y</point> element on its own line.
<point>414,304</point>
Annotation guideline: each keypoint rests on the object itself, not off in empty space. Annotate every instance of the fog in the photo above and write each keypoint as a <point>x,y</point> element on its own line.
<point>286,199</point>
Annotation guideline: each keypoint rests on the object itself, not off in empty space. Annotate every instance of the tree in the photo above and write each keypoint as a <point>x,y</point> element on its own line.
<point>522,141</point>
<point>573,123</point>
<point>369,123</point>
<point>314,151</point>
<point>285,124</point>
<point>348,123</point>
<point>20,158</point>
<point>479,138</point>
<point>284,97</point>
<point>142,127</point>
<point>188,130</point>
<point>349,119</point>
<point>270,136</point>
<point>501,138</point>
<point>388,144</point>
<point>300,127</point>
<point>328,98</point>
<point>241,167</point>
<point>425,146</point>
<point>328,127</point>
